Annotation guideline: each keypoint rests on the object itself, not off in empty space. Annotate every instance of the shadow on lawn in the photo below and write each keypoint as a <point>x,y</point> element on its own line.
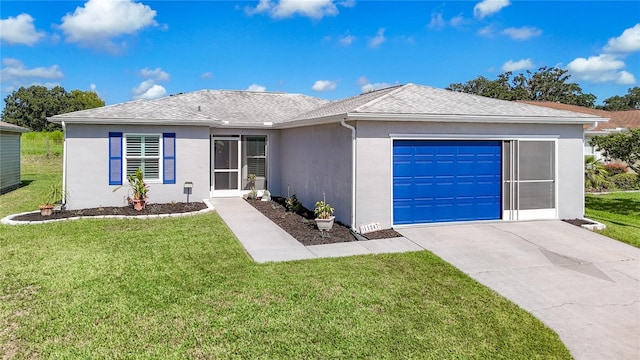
<point>614,206</point>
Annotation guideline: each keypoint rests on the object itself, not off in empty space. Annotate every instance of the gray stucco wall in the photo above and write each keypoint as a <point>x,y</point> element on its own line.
<point>374,158</point>
<point>9,161</point>
<point>87,156</point>
<point>314,160</point>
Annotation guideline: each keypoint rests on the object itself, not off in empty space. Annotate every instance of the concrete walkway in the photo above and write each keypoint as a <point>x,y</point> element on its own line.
<point>583,285</point>
<point>265,241</point>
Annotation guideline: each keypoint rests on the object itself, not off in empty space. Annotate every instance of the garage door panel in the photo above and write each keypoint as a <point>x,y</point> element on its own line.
<point>443,181</point>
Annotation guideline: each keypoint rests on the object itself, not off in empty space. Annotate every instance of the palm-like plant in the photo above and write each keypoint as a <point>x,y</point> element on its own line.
<point>595,173</point>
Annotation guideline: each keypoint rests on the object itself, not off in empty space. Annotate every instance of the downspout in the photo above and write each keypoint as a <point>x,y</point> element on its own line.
<point>64,166</point>
<point>353,172</point>
<point>595,125</point>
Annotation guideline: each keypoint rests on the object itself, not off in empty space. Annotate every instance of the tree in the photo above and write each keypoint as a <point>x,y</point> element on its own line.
<point>627,102</point>
<point>548,84</point>
<point>624,146</point>
<point>30,107</point>
<point>595,174</point>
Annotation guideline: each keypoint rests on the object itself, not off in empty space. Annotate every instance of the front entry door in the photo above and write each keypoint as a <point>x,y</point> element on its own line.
<point>226,166</point>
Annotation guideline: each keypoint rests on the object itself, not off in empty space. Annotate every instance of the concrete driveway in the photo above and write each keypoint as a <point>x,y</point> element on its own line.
<point>583,285</point>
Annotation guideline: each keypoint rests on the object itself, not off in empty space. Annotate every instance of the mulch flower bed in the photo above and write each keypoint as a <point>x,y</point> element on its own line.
<point>150,209</point>
<point>303,228</point>
<point>578,222</point>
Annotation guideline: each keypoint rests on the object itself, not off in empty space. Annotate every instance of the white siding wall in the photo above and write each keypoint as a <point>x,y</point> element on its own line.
<point>374,151</point>
<point>87,156</point>
<point>317,159</point>
<point>9,161</point>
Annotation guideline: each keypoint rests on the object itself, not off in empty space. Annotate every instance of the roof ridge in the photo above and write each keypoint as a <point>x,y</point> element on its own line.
<point>398,88</point>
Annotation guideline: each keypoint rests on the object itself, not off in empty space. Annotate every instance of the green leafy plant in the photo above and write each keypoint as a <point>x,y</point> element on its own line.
<point>628,181</point>
<point>139,189</point>
<point>323,210</point>
<point>595,174</point>
<point>52,195</point>
<point>253,194</point>
<point>293,204</point>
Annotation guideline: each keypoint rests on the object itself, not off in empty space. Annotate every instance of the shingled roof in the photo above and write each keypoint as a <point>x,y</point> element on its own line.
<point>205,107</point>
<point>625,119</point>
<point>408,102</point>
<point>8,127</point>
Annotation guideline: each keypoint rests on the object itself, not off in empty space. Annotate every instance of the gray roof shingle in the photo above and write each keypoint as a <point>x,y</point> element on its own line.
<point>259,109</point>
<point>235,108</point>
<point>5,126</point>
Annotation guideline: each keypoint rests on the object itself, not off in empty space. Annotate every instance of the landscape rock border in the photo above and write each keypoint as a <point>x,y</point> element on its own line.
<point>7,220</point>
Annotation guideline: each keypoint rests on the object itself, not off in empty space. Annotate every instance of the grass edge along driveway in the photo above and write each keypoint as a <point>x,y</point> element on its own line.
<point>184,288</point>
<point>620,211</point>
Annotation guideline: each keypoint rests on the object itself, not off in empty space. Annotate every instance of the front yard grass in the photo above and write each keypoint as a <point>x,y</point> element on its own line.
<point>185,288</point>
<point>620,212</point>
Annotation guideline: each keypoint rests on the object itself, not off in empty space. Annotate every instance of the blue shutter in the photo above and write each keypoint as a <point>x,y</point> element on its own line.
<point>169,158</point>
<point>115,158</point>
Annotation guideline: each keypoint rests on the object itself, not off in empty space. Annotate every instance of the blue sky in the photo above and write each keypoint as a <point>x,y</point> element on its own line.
<point>331,49</point>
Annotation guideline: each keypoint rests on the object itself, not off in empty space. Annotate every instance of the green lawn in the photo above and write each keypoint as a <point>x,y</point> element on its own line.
<point>185,288</point>
<point>620,212</point>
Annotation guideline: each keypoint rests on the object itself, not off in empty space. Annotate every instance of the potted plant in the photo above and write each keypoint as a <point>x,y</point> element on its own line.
<point>53,194</point>
<point>324,215</point>
<point>139,190</point>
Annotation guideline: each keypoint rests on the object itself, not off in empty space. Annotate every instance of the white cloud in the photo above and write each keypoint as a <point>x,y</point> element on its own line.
<point>456,21</point>
<point>148,90</point>
<point>257,88</point>
<point>523,64</point>
<point>156,74</point>
<point>99,21</point>
<point>628,42</point>
<point>324,85</point>
<point>315,9</point>
<point>487,31</point>
<point>489,7</point>
<point>378,39</point>
<point>437,21</point>
<point>601,68</point>
<point>347,40</point>
<point>207,75</point>
<point>366,85</point>
<point>14,70</point>
<point>93,87</point>
<point>522,33</point>
<point>19,30</point>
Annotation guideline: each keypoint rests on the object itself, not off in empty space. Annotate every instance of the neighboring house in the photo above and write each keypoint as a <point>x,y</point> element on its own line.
<point>618,121</point>
<point>10,156</point>
<point>407,154</point>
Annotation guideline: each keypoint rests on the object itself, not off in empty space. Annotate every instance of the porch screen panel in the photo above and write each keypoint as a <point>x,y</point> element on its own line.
<point>537,175</point>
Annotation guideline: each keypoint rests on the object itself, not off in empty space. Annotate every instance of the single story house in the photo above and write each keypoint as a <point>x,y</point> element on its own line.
<point>10,156</point>
<point>407,154</point>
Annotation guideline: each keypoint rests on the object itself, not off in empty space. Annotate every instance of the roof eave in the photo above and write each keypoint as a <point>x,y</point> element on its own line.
<point>474,118</point>
<point>112,121</point>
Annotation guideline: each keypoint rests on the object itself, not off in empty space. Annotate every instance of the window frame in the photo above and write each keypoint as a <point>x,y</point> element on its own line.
<point>159,157</point>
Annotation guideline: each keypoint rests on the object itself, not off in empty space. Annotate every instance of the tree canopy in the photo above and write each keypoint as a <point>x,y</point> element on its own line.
<point>30,107</point>
<point>547,84</point>
<point>627,102</point>
<point>621,145</point>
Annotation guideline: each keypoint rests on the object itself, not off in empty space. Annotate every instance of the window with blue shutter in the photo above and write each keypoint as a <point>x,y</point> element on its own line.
<point>115,158</point>
<point>169,158</point>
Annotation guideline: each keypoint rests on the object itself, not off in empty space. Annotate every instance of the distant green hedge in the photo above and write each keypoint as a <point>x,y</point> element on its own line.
<point>627,181</point>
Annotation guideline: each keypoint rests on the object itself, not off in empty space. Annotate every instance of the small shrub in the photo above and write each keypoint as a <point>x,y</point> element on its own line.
<point>627,181</point>
<point>616,168</point>
<point>293,204</point>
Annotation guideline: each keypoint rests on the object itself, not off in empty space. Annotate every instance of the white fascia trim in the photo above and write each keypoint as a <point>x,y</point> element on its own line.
<point>314,121</point>
<point>470,137</point>
<point>473,118</point>
<point>119,121</point>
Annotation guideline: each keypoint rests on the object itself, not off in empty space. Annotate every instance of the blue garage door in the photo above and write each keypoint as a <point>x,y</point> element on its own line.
<point>443,181</point>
